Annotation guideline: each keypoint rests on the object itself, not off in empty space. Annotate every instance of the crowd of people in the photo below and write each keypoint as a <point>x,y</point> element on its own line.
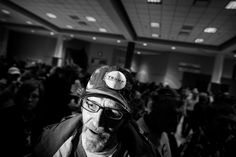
<point>64,111</point>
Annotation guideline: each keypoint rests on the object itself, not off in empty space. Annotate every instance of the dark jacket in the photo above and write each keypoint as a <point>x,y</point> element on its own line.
<point>133,143</point>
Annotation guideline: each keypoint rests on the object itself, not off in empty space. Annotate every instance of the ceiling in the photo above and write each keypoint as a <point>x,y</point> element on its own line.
<point>181,22</point>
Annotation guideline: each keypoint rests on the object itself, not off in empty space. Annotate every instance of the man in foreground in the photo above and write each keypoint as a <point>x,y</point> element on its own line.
<point>105,128</point>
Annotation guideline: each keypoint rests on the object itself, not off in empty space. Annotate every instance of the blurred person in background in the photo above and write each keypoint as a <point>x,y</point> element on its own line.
<point>28,98</point>
<point>214,133</point>
<point>159,125</point>
<point>11,132</point>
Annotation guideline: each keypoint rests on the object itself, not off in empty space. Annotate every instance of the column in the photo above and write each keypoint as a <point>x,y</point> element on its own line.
<point>218,68</point>
<point>129,54</point>
<point>58,54</point>
<point>3,41</point>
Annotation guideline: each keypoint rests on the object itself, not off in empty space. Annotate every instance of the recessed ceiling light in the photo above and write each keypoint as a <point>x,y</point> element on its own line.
<point>144,44</point>
<point>102,30</point>
<point>51,15</point>
<point>5,11</point>
<point>69,26</point>
<point>199,40</point>
<point>173,47</point>
<point>154,1</point>
<point>138,52</point>
<point>94,38</point>
<point>231,5</point>
<point>72,35</point>
<point>52,33</point>
<point>90,18</point>
<point>155,24</point>
<point>118,41</point>
<point>32,31</point>
<point>235,55</point>
<point>155,35</point>
<point>29,22</point>
<point>210,30</point>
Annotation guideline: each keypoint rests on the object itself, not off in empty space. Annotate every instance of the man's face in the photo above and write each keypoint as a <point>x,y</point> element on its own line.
<point>102,118</point>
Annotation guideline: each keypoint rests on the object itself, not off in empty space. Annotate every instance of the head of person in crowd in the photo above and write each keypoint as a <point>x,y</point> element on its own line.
<point>29,95</point>
<point>163,114</point>
<point>75,90</point>
<point>14,74</point>
<point>106,107</point>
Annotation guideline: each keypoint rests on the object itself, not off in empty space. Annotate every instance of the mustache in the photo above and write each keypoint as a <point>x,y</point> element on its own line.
<point>98,130</point>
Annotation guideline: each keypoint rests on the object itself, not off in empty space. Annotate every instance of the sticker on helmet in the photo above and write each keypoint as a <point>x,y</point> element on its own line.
<point>115,80</point>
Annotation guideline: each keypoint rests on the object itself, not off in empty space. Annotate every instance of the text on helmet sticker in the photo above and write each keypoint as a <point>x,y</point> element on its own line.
<point>115,80</point>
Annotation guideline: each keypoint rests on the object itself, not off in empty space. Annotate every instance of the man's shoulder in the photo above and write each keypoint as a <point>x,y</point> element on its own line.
<point>55,135</point>
<point>136,143</point>
<point>143,126</point>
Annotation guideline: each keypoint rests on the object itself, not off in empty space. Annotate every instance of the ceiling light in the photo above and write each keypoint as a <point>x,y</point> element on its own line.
<point>231,5</point>
<point>52,33</point>
<point>94,38</point>
<point>154,1</point>
<point>5,11</point>
<point>210,30</point>
<point>29,22</point>
<point>32,31</point>
<point>90,18</point>
<point>51,15</point>
<point>155,35</point>
<point>173,47</point>
<point>199,40</point>
<point>155,24</point>
<point>102,30</point>
<point>138,52</point>
<point>72,35</point>
<point>118,41</point>
<point>144,44</point>
<point>69,26</point>
<point>235,55</point>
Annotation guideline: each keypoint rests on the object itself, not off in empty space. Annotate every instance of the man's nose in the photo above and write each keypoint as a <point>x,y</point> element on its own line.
<point>99,118</point>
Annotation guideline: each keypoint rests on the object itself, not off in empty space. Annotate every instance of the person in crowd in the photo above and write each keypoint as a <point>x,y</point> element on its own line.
<point>76,89</point>
<point>57,95</point>
<point>11,132</point>
<point>215,132</point>
<point>28,99</point>
<point>10,88</point>
<point>159,125</point>
<point>105,127</point>
<point>191,100</point>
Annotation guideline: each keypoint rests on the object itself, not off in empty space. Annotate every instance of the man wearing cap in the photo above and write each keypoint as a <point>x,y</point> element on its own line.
<point>105,127</point>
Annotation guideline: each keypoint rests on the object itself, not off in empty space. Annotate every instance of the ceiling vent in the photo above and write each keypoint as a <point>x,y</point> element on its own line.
<point>201,3</point>
<point>82,23</point>
<point>183,33</point>
<point>187,28</point>
<point>74,17</point>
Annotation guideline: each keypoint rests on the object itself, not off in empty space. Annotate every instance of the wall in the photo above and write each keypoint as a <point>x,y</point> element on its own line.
<point>3,41</point>
<point>174,76</point>
<point>151,68</point>
<point>76,52</point>
<point>99,54</point>
<point>164,67</point>
<point>22,46</point>
<point>228,67</point>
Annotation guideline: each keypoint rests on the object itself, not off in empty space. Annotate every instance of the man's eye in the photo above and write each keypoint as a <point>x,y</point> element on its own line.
<point>92,106</point>
<point>114,114</point>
